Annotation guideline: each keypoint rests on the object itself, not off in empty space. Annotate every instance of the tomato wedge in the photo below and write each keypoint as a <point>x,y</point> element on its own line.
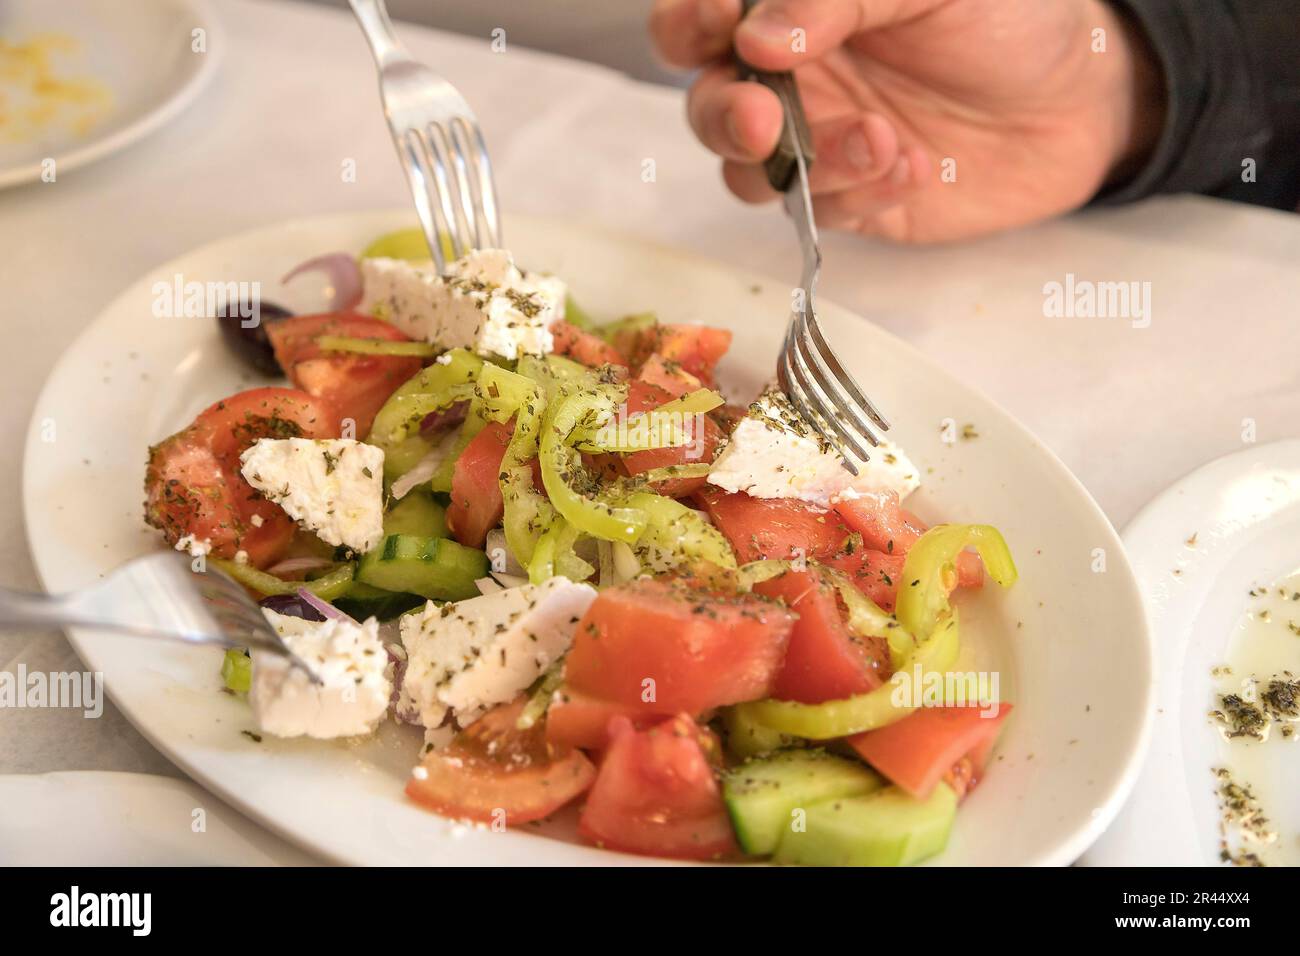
<point>642,397</point>
<point>493,772</point>
<point>823,661</point>
<point>575,719</point>
<point>663,646</point>
<point>881,521</point>
<point>590,350</point>
<point>357,385</point>
<point>918,751</point>
<point>779,528</point>
<point>234,423</point>
<point>696,348</point>
<point>874,573</point>
<point>476,502</point>
<point>887,527</point>
<point>668,375</point>
<point>657,795</point>
<point>193,486</point>
<point>634,340</point>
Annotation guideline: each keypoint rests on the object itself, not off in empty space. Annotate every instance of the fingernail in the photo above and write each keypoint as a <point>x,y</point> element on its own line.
<point>856,150</point>
<point>769,27</point>
<point>902,171</point>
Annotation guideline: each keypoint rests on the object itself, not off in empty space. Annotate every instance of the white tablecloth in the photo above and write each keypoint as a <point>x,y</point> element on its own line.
<point>1128,409</point>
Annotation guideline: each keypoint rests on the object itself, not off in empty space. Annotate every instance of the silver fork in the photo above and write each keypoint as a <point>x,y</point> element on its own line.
<point>438,141</point>
<point>154,596</point>
<point>808,371</point>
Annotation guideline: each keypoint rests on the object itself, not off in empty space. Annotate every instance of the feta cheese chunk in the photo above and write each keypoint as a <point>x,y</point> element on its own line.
<point>774,453</point>
<point>197,548</point>
<point>484,303</point>
<point>465,658</point>
<point>334,487</point>
<point>352,664</point>
<point>889,469</point>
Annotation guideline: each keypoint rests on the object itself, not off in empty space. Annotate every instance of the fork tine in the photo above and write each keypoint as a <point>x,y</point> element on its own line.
<point>468,180</point>
<point>455,189</point>
<point>795,383</point>
<point>850,435</point>
<point>487,225</point>
<point>810,414</point>
<point>435,157</point>
<point>829,402</point>
<point>828,359</point>
<point>448,156</point>
<point>411,149</point>
<point>832,430</point>
<point>237,614</point>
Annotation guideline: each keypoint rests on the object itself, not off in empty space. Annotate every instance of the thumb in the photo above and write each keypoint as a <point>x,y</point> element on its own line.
<point>784,34</point>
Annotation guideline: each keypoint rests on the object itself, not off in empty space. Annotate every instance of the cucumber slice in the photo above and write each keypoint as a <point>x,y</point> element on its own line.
<point>885,828</point>
<point>237,670</point>
<point>762,795</point>
<point>365,600</point>
<point>746,739</point>
<point>435,568</point>
<point>416,514</point>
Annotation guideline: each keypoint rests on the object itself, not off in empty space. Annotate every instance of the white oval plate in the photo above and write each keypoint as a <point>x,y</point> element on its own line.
<point>1071,647</point>
<point>140,52</point>
<point>1244,510</point>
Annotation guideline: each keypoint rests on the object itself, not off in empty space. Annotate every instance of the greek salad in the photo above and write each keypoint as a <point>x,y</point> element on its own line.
<point>553,546</point>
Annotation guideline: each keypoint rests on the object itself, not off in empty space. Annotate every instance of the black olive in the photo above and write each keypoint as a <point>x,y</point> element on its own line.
<point>292,606</point>
<point>243,329</point>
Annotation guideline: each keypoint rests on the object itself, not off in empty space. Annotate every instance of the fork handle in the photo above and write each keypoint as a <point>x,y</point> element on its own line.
<point>781,166</point>
<point>372,15</point>
<point>21,608</point>
<point>27,609</point>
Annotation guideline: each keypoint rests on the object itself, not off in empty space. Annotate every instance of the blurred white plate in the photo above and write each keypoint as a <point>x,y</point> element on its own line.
<point>1071,646</point>
<point>139,53</point>
<point>128,819</point>
<point>1244,510</point>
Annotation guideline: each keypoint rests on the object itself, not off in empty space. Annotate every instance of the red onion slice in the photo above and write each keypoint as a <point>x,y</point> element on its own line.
<point>291,566</point>
<point>444,418</point>
<point>488,585</point>
<point>344,290</point>
<point>509,580</point>
<point>324,607</point>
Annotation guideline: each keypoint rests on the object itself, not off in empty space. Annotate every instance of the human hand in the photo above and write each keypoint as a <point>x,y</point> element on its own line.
<point>932,120</point>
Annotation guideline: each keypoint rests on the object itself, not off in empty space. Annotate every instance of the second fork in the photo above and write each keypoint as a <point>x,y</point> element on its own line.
<point>439,144</point>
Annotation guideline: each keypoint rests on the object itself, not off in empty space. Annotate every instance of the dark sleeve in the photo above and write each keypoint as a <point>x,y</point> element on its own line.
<point>1232,80</point>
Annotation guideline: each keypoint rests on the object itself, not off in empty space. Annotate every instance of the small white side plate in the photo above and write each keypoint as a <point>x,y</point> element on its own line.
<point>142,53</point>
<point>1244,511</point>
